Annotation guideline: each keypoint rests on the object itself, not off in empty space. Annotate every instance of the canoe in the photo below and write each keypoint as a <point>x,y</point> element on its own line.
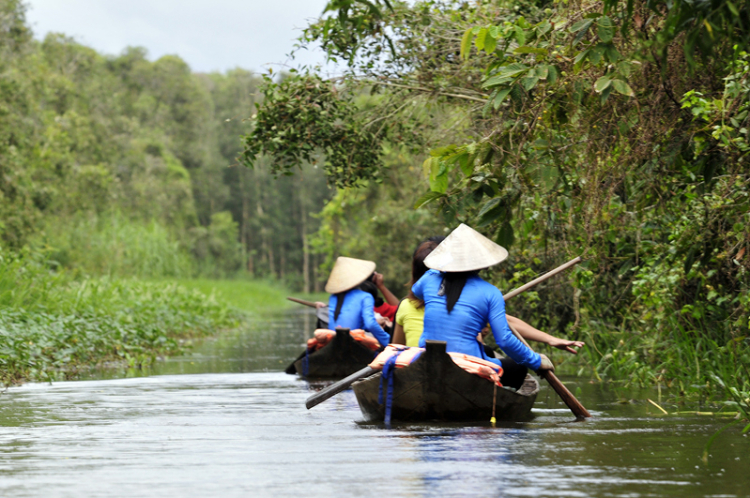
<point>434,388</point>
<point>339,358</point>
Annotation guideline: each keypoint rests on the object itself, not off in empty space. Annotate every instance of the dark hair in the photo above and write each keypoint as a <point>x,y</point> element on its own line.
<point>367,286</point>
<point>453,285</point>
<point>370,287</point>
<point>417,263</point>
<point>339,303</point>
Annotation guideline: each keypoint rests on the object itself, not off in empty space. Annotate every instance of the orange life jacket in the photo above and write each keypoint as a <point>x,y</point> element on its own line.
<point>472,364</point>
<point>324,336</point>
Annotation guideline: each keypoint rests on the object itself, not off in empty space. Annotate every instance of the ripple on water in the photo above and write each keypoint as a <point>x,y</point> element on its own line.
<point>213,433</point>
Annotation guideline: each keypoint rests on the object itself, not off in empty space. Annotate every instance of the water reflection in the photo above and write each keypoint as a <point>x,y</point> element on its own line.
<point>231,424</point>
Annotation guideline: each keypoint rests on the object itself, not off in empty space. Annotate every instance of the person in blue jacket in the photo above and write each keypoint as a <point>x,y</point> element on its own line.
<point>349,306</point>
<point>458,303</point>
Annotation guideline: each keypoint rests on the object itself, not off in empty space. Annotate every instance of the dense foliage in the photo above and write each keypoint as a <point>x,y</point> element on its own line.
<point>613,130</point>
<point>120,165</point>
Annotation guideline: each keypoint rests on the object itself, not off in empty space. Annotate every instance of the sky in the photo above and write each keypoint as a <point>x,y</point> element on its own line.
<point>215,35</point>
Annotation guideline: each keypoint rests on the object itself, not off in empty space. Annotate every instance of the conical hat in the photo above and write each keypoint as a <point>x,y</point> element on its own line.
<point>465,249</point>
<point>348,273</point>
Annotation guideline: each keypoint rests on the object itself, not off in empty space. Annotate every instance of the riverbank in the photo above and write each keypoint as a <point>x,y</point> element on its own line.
<point>53,326</point>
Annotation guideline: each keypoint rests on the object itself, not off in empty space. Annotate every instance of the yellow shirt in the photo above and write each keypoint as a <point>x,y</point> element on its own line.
<point>411,319</point>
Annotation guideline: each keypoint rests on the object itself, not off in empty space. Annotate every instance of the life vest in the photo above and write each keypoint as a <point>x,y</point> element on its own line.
<point>472,364</point>
<point>324,336</point>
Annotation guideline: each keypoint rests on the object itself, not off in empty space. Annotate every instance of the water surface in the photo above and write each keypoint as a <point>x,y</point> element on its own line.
<point>225,421</point>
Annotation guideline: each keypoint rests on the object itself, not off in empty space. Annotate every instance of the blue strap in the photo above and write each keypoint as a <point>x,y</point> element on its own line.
<point>306,363</point>
<point>387,376</point>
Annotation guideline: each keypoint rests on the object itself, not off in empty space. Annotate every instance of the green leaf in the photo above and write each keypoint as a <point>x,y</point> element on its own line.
<point>506,236</point>
<point>529,83</point>
<point>552,76</point>
<point>491,211</point>
<point>542,71</point>
<point>583,30</point>
<point>466,162</point>
<point>602,84</point>
<point>622,87</point>
<point>490,43</point>
<point>530,50</point>
<point>479,41</point>
<point>427,198</point>
<point>520,36</point>
<point>466,44</point>
<point>427,166</point>
<point>596,53</point>
<point>500,97</point>
<point>624,68</point>
<point>581,55</point>
<point>582,24</point>
<point>605,29</point>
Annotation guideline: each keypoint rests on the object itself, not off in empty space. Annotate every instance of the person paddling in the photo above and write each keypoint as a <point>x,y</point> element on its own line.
<point>458,303</point>
<point>410,314</point>
<point>349,306</point>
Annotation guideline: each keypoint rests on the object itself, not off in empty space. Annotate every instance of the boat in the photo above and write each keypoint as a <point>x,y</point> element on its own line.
<point>341,357</point>
<point>433,387</point>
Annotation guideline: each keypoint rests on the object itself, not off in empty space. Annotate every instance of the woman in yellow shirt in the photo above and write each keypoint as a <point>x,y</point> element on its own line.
<point>410,313</point>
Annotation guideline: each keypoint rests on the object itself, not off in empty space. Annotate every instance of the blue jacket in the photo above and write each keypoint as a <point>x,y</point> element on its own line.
<point>357,313</point>
<point>480,303</point>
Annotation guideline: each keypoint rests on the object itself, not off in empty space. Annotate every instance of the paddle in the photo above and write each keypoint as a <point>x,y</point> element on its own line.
<point>321,313</point>
<point>337,387</point>
<point>302,301</point>
<point>575,406</point>
<point>341,385</point>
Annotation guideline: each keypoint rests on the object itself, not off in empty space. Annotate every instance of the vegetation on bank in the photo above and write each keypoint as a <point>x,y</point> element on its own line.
<point>53,326</point>
<point>613,130</point>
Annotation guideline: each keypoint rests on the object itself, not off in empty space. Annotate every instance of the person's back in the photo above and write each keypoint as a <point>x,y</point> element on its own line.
<point>478,304</point>
<point>356,313</point>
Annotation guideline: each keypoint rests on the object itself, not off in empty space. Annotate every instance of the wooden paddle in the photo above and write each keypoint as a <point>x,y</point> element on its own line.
<point>341,385</point>
<point>302,301</point>
<point>575,406</point>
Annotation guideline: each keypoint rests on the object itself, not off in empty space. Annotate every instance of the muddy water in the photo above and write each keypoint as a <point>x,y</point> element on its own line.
<point>225,421</point>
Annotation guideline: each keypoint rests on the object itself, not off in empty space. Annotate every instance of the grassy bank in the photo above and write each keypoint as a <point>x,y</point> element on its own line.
<point>53,326</point>
<point>252,296</point>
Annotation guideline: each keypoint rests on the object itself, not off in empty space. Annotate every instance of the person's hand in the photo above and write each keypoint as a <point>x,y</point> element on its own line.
<point>378,279</point>
<point>380,319</point>
<point>546,363</point>
<point>318,304</point>
<point>566,345</point>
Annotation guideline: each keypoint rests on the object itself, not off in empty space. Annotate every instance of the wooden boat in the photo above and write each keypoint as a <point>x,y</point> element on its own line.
<point>341,357</point>
<point>434,388</point>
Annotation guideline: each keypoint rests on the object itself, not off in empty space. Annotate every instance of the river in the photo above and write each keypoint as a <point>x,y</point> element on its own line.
<point>226,421</point>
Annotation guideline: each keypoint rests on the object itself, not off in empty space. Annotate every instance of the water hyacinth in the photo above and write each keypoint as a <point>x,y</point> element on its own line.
<point>52,327</point>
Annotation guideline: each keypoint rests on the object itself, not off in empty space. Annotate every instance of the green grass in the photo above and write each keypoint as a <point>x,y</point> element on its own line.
<point>253,296</point>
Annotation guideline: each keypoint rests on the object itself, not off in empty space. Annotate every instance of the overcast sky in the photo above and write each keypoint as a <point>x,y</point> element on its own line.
<point>211,35</point>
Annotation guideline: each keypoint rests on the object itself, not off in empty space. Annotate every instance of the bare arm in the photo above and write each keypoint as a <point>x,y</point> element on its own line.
<point>534,334</point>
<point>388,295</point>
<point>399,337</point>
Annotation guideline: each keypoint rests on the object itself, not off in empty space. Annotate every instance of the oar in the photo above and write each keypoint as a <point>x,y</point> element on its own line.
<point>337,387</point>
<point>575,406</point>
<point>321,313</point>
<point>302,301</point>
<point>341,385</point>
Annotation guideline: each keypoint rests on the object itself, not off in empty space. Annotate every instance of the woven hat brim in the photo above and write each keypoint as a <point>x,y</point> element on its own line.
<point>348,273</point>
<point>465,249</point>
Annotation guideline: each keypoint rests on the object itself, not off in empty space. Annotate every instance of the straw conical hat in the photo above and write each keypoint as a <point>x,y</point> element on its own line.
<point>465,249</point>
<point>348,273</point>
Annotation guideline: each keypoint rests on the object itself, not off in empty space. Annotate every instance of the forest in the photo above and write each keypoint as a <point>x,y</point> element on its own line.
<point>617,131</point>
